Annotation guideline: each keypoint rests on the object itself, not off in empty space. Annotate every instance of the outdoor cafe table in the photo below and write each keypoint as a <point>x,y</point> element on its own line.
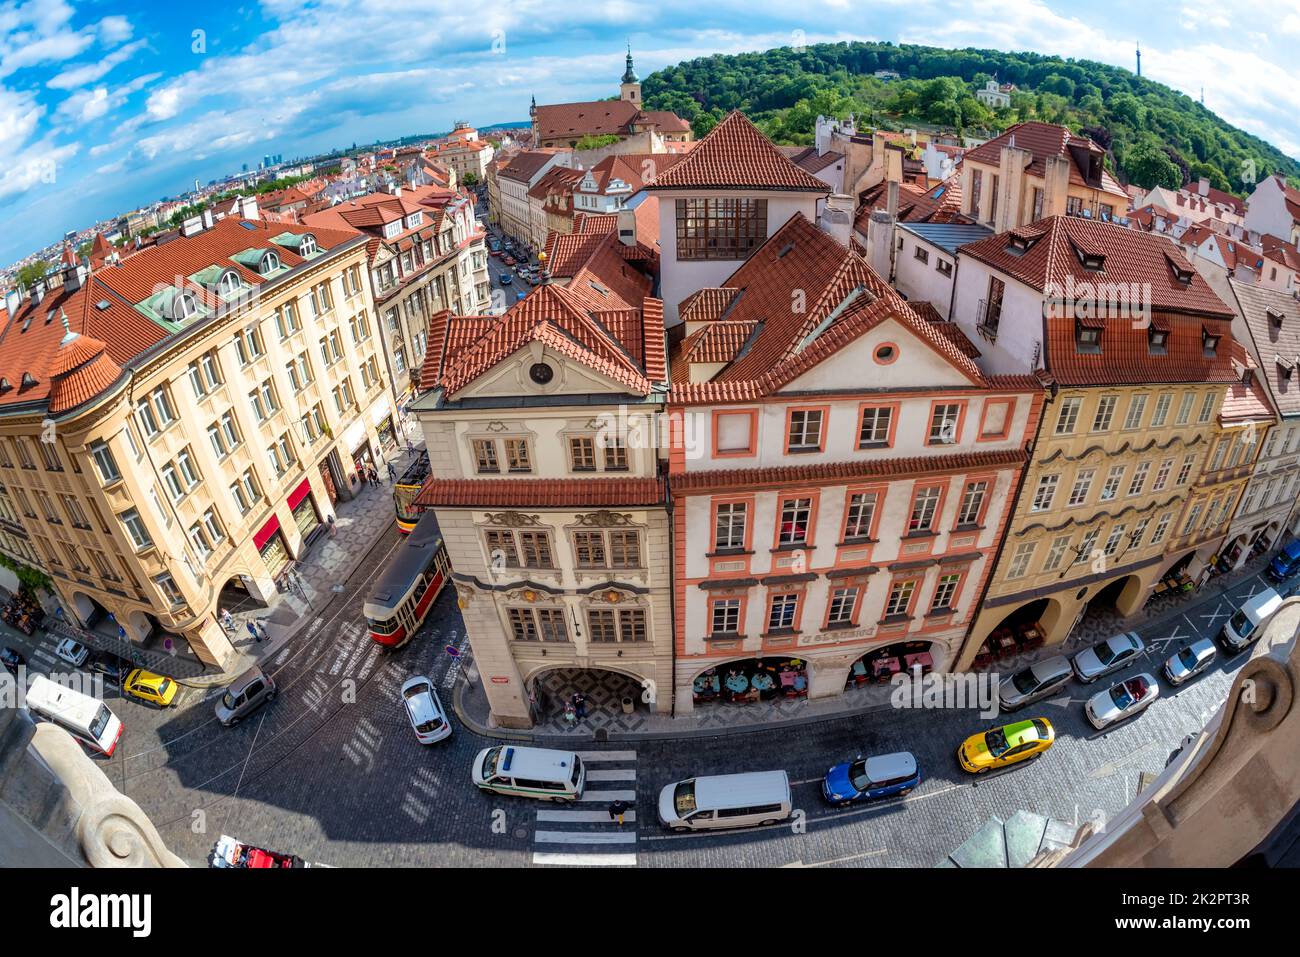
<point>886,666</point>
<point>762,681</point>
<point>737,683</point>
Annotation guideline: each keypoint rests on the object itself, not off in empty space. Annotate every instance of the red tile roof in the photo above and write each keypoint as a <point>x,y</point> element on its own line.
<point>1131,256</point>
<point>596,310</point>
<point>601,118</point>
<point>1043,140</point>
<point>735,155</point>
<point>81,371</point>
<point>844,299</point>
<point>541,493</point>
<point>941,203</point>
<point>807,157</point>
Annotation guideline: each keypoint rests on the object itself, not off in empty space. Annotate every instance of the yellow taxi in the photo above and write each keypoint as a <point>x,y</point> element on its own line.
<point>150,687</point>
<point>1009,744</point>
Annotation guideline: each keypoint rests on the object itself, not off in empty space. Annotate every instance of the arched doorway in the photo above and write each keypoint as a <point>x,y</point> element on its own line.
<point>585,698</point>
<point>240,593</point>
<point>1120,596</point>
<point>879,665</point>
<point>749,680</point>
<point>1023,629</point>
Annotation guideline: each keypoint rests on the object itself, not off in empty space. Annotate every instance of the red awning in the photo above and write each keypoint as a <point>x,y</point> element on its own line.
<point>300,493</point>
<point>264,534</point>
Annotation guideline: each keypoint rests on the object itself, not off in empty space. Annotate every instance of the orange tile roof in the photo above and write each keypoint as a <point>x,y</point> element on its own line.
<point>1274,339</point>
<point>1131,256</point>
<point>838,288</point>
<point>735,155</point>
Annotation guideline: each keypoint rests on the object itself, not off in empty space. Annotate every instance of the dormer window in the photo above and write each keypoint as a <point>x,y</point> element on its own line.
<point>184,307</point>
<point>307,247</point>
<point>28,381</point>
<point>229,284</point>
<point>1183,274</point>
<point>270,263</point>
<point>415,219</point>
<point>1093,262</point>
<point>1275,317</point>
<point>1209,343</point>
<point>392,229</point>
<point>5,386</point>
<point>1157,340</point>
<point>1285,366</point>
<point>1087,336</point>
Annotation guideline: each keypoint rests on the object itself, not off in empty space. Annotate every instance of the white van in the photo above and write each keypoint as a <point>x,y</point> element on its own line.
<point>726,800</point>
<point>1243,627</point>
<point>530,772</point>
<point>85,718</point>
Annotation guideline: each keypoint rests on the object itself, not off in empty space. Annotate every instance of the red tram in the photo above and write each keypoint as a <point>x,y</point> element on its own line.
<point>400,601</point>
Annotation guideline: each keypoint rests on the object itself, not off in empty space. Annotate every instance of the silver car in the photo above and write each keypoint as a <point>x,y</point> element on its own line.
<point>245,695</point>
<point>1101,659</point>
<point>1034,683</point>
<point>73,652</point>
<point>1121,701</point>
<point>1191,661</point>
<point>425,710</point>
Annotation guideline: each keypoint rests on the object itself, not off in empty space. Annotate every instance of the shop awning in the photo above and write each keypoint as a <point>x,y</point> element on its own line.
<point>300,493</point>
<point>265,532</point>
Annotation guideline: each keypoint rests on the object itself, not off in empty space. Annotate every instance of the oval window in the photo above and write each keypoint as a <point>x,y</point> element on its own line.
<point>541,373</point>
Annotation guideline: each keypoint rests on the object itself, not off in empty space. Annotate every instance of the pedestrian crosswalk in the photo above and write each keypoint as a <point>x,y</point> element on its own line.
<point>584,834</point>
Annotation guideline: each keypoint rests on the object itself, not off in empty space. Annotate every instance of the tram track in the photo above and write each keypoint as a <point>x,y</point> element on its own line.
<point>305,657</point>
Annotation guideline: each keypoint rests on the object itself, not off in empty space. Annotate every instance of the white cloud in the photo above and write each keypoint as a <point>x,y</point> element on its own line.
<point>82,74</point>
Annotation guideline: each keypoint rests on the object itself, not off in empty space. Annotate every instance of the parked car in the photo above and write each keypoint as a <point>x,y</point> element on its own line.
<point>521,295</point>
<point>1190,662</point>
<point>495,251</point>
<point>1121,701</point>
<point>147,686</point>
<point>1034,683</point>
<point>869,779</point>
<point>1007,745</point>
<point>506,279</point>
<point>73,652</point>
<point>1286,562</point>
<point>425,710</point>
<point>232,853</point>
<point>12,660</point>
<point>113,668</point>
<point>726,801</point>
<point>508,260</point>
<point>1108,656</point>
<point>245,695</point>
<point>1242,628</point>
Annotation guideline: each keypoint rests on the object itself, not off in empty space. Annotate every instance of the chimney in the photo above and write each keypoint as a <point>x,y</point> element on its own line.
<point>38,291</point>
<point>836,218</point>
<point>1056,185</point>
<point>192,226</point>
<point>248,207</point>
<point>880,241</point>
<point>1011,188</point>
<point>1203,186</point>
<point>206,217</point>
<point>627,227</point>
<point>13,299</point>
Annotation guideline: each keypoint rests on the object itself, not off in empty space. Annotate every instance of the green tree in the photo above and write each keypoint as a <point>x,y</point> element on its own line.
<point>33,273</point>
<point>1150,166</point>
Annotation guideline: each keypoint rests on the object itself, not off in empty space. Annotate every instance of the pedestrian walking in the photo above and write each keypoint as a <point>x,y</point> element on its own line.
<point>252,631</point>
<point>333,526</point>
<point>616,811</point>
<point>392,472</point>
<point>570,715</point>
<point>262,634</point>
<point>374,475</point>
<point>410,446</point>
<point>580,704</point>
<point>227,620</point>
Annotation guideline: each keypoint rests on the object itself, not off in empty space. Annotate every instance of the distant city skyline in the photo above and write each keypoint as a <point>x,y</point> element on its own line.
<point>105,107</point>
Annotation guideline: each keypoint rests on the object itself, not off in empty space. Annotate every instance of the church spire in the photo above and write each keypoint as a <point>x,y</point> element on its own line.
<point>629,75</point>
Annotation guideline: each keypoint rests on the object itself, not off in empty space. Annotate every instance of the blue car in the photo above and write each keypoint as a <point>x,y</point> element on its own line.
<point>521,295</point>
<point>506,279</point>
<point>1286,562</point>
<point>870,779</point>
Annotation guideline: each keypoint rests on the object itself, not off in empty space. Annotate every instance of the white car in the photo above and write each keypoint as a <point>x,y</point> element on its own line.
<point>73,652</point>
<point>1122,701</point>
<point>1190,662</point>
<point>425,710</point>
<point>1110,655</point>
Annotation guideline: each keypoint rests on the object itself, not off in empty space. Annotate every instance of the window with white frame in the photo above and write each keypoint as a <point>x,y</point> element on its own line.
<point>1020,559</point>
<point>842,605</point>
<point>1044,493</point>
<point>781,612</point>
<point>725,616</point>
<point>805,431</point>
<point>729,528</point>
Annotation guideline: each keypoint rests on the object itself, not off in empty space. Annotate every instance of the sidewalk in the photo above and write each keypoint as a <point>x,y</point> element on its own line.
<point>605,720</point>
<point>323,570</point>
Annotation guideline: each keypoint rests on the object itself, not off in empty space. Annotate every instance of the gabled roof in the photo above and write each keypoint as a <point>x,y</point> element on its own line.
<point>735,155</point>
<point>595,309</point>
<point>843,300</point>
<point>1043,140</point>
<point>1272,318</point>
<point>1131,256</point>
<point>941,203</point>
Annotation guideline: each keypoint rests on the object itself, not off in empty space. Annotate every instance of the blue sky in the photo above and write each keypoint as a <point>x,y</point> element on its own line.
<point>105,105</point>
